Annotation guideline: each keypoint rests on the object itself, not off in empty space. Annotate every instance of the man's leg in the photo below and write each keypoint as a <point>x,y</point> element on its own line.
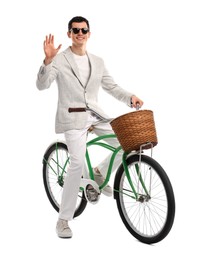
<point>76,143</point>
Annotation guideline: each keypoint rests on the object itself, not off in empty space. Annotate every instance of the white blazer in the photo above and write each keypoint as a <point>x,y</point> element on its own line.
<point>72,93</point>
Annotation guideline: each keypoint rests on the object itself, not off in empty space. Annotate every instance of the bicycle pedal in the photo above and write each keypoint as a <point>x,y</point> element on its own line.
<point>91,194</point>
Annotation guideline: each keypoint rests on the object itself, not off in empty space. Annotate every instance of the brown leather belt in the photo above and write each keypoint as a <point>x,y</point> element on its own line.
<point>77,109</point>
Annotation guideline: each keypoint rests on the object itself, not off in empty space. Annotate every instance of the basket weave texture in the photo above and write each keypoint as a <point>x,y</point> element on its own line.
<point>135,129</point>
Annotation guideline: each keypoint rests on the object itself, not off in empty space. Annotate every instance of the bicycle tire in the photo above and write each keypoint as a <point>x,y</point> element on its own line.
<point>54,186</point>
<point>148,221</point>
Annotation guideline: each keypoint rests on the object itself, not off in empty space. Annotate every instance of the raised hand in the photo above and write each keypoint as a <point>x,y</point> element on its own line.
<point>49,49</point>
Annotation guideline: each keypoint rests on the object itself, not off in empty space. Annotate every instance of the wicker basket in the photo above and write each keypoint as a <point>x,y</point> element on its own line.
<point>135,129</point>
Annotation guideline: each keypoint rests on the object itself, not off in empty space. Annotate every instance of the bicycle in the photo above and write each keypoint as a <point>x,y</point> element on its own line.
<point>142,189</point>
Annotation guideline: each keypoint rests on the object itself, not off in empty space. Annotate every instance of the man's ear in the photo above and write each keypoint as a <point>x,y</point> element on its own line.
<point>69,34</point>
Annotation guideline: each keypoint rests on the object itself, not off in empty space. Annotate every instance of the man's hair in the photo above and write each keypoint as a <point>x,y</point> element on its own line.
<point>77,19</point>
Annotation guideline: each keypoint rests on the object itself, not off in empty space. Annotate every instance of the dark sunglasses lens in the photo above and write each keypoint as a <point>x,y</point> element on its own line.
<point>75,30</point>
<point>85,30</point>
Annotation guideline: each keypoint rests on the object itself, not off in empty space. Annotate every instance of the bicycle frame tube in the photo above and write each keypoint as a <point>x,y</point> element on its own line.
<point>96,141</point>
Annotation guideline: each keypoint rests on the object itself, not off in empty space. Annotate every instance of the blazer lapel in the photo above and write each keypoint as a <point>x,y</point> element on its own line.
<point>69,57</point>
<point>92,68</point>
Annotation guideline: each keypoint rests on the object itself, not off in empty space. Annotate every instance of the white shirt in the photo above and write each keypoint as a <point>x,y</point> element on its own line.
<point>83,66</point>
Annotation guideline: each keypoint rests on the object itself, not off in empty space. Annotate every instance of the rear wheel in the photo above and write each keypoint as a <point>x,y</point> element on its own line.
<point>148,215</point>
<point>55,164</point>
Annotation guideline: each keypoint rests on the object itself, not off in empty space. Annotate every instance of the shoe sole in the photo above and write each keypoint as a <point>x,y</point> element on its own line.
<point>64,237</point>
<point>61,236</point>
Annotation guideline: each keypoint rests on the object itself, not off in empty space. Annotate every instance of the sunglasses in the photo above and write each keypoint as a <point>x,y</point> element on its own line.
<point>77,30</point>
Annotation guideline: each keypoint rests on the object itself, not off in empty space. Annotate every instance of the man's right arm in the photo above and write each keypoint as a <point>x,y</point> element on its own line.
<point>48,72</point>
<point>46,75</point>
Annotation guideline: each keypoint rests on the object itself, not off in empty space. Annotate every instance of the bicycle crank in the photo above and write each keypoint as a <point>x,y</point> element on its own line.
<point>92,194</point>
<point>91,190</point>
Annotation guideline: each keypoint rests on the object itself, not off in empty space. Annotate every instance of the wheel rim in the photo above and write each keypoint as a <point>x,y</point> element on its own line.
<point>146,216</point>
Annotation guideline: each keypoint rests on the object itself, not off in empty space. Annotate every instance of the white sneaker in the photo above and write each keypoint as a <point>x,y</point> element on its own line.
<point>62,229</point>
<point>107,190</point>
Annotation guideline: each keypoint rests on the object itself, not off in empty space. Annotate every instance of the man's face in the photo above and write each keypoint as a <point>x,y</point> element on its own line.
<point>79,38</point>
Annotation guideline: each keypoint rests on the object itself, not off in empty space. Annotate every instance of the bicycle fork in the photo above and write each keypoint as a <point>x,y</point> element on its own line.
<point>137,196</point>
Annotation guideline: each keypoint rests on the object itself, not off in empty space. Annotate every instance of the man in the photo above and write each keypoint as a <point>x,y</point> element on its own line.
<point>79,75</point>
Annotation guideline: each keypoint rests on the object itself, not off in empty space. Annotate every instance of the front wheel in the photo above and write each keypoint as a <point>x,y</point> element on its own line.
<point>55,164</point>
<point>145,199</point>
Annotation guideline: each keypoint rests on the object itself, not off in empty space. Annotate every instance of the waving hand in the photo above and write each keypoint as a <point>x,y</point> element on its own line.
<point>49,49</point>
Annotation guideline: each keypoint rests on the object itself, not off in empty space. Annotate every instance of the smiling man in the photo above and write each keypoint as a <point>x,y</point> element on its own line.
<point>79,75</point>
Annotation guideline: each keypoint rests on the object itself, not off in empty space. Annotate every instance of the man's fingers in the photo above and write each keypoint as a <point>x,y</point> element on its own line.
<point>52,39</point>
<point>49,40</point>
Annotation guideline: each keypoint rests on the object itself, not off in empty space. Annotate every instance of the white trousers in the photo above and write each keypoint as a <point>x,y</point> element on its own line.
<point>76,143</point>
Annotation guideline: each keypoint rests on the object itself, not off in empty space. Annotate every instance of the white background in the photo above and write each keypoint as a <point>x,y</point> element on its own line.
<point>160,50</point>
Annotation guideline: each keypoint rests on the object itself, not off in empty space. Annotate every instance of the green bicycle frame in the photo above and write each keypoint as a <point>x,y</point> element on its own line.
<point>97,141</point>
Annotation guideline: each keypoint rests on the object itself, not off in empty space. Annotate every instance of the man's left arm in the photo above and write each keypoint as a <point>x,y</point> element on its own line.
<point>118,92</point>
